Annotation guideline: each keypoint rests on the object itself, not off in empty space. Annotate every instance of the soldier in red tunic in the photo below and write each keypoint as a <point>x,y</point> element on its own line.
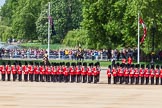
<point>14,71</point>
<point>25,71</point>
<point>31,71</point>
<point>157,74</point>
<point>142,73</point>
<point>3,72</point>
<point>136,73</point>
<point>19,71</point>
<point>121,73</point>
<point>78,72</point>
<point>114,73</point>
<point>126,74</point>
<point>72,72</point>
<point>152,74</point>
<point>95,72</point>
<point>42,71</point>
<point>161,75</point>
<point>90,73</point>
<point>109,74</point>
<point>147,74</point>
<point>36,72</point>
<point>84,72</point>
<point>66,70</point>
<point>0,69</point>
<point>8,69</point>
<point>131,73</point>
<point>55,72</point>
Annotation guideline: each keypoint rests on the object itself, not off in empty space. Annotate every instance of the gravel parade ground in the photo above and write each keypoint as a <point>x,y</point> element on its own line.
<point>79,95</point>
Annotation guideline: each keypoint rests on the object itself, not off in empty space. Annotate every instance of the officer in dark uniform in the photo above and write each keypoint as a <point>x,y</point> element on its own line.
<point>109,74</point>
<point>8,69</point>
<point>45,58</point>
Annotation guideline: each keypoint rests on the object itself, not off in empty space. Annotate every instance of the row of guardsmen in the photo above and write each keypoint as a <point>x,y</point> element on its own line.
<point>134,74</point>
<point>54,72</point>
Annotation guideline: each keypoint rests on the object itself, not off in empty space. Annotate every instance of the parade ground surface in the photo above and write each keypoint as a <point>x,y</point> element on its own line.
<point>78,95</point>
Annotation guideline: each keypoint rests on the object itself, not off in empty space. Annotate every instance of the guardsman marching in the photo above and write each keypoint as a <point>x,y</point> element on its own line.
<point>55,72</point>
<point>84,72</point>
<point>98,71</point>
<point>109,74</point>
<point>31,71</point>
<point>126,74</point>
<point>3,72</point>
<point>14,71</point>
<point>42,71</point>
<point>25,71</point>
<point>152,74</point>
<point>157,74</point>
<point>66,72</point>
<point>36,72</point>
<point>72,72</point>
<point>19,71</point>
<point>121,73</point>
<point>132,73</point>
<point>90,73</point>
<point>147,74</point>
<point>95,73</point>
<point>161,75</point>
<point>136,73</point>
<point>8,69</point>
<point>78,72</point>
<point>142,74</point>
<point>52,72</point>
<point>48,72</point>
<point>129,60</point>
<point>114,73</point>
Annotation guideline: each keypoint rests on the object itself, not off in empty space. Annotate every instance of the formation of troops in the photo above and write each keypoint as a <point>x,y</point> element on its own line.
<point>134,74</point>
<point>52,72</point>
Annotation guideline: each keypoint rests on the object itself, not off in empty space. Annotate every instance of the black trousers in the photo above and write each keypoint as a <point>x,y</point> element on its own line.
<point>25,77</point>
<point>31,77</point>
<point>147,80</point>
<point>132,80</point>
<point>137,80</point>
<point>157,80</point>
<point>152,80</point>
<point>20,77</point>
<point>142,80</point>
<point>14,77</point>
<point>3,77</point>
<point>84,78</point>
<point>8,77</point>
<point>90,78</point>
<point>115,79</point>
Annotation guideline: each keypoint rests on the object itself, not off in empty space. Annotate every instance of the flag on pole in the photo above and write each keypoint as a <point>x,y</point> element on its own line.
<point>52,25</point>
<point>144,30</point>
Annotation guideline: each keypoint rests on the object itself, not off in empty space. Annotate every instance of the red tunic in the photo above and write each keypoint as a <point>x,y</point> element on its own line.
<point>114,72</point>
<point>14,70</point>
<point>3,70</point>
<point>131,73</point>
<point>152,73</point>
<point>19,70</point>
<point>136,73</point>
<point>31,69</point>
<point>161,73</point>
<point>141,74</point>
<point>84,70</point>
<point>108,73</point>
<point>146,73</point>
<point>72,70</point>
<point>90,71</point>
<point>157,73</point>
<point>66,71</point>
<point>25,69</point>
<point>126,72</point>
<point>8,69</point>
<point>120,72</point>
<point>78,70</point>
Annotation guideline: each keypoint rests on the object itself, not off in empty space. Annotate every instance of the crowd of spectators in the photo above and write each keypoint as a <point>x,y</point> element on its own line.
<point>70,54</point>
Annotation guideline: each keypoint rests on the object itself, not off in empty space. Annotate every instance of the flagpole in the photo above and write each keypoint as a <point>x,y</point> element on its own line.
<point>138,50</point>
<point>48,29</point>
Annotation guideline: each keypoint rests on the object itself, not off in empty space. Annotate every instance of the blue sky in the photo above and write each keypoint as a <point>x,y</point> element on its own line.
<point>2,2</point>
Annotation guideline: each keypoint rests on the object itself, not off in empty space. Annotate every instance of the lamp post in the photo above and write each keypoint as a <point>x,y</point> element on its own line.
<point>153,30</point>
